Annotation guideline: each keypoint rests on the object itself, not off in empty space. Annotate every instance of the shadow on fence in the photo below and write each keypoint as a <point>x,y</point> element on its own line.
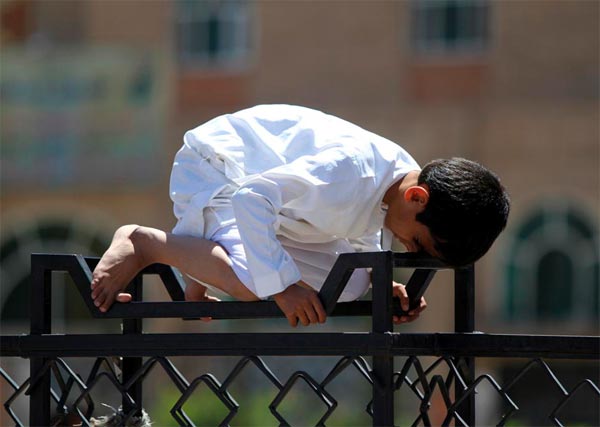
<point>58,394</point>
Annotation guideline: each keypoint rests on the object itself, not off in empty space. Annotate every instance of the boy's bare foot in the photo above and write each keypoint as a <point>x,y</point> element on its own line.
<point>117,267</point>
<point>195,291</point>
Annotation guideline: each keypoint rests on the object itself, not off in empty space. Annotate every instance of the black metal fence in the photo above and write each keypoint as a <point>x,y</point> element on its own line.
<point>58,395</point>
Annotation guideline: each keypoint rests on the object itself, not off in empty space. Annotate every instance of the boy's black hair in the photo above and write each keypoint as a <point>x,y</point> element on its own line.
<point>466,211</point>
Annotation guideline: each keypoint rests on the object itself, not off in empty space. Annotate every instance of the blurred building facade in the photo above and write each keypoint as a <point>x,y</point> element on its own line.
<point>96,97</point>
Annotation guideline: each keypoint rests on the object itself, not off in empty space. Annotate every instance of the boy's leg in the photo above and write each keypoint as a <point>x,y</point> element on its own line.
<point>194,291</point>
<point>135,247</point>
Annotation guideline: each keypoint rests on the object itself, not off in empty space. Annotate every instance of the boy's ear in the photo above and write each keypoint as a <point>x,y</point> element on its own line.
<point>417,194</point>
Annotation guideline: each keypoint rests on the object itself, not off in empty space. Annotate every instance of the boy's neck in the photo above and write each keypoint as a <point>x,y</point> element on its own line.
<point>397,189</point>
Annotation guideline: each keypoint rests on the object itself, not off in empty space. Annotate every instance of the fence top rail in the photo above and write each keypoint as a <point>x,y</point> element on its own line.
<point>80,269</point>
<point>309,344</point>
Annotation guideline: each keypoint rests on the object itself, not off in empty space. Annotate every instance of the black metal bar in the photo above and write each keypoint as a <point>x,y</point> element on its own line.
<point>417,285</point>
<point>464,299</point>
<point>417,260</point>
<point>309,344</point>
<point>480,344</point>
<point>335,282</point>
<point>221,310</point>
<point>40,306</point>
<point>80,270</point>
<point>171,278</point>
<point>383,362</point>
<point>381,279</point>
<point>464,321</point>
<point>41,346</point>
<point>132,364</point>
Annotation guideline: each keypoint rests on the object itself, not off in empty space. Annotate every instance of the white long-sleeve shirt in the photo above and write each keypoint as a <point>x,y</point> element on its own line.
<point>289,171</point>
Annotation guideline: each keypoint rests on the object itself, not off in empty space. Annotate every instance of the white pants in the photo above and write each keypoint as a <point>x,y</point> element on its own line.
<point>314,260</point>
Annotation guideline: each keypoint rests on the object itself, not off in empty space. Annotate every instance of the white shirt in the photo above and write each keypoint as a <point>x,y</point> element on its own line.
<point>294,172</point>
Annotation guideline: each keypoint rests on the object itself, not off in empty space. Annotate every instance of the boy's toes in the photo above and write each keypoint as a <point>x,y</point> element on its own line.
<point>106,304</point>
<point>98,298</point>
<point>124,297</point>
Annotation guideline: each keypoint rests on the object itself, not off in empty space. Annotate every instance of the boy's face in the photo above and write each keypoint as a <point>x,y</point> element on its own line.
<point>414,235</point>
<point>401,221</point>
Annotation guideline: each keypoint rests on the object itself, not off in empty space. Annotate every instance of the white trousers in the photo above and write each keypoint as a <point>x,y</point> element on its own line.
<point>314,260</point>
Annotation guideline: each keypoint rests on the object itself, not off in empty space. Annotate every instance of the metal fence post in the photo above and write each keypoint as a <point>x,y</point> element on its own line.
<point>464,321</point>
<point>40,306</point>
<point>131,365</point>
<point>383,361</point>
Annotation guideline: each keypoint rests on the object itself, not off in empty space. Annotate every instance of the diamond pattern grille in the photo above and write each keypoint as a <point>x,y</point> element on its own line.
<point>423,381</point>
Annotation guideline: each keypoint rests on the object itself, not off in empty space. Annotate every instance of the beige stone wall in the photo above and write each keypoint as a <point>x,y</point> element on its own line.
<point>329,55</point>
<point>545,51</point>
<point>132,22</point>
<point>528,108</point>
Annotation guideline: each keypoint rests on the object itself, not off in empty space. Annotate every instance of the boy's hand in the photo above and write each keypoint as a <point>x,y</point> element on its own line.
<point>400,292</point>
<point>298,303</point>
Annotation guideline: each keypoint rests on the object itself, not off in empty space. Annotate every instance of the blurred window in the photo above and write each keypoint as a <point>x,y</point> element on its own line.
<point>15,22</point>
<point>552,267</point>
<point>213,32</point>
<point>40,24</point>
<point>449,26</point>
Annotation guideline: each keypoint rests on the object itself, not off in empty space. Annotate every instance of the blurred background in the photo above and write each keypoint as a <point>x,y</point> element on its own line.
<point>95,97</point>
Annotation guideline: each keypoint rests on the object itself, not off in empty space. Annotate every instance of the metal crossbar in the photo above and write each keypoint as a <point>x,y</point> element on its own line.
<point>303,344</point>
<point>53,382</point>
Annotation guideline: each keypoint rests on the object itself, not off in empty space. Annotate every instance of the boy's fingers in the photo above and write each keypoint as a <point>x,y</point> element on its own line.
<point>312,315</point>
<point>107,302</point>
<point>99,298</point>
<point>97,294</point>
<point>293,320</point>
<point>404,302</point>
<point>303,318</point>
<point>105,299</point>
<point>321,316</point>
<point>402,319</point>
<point>95,287</point>
<point>422,306</point>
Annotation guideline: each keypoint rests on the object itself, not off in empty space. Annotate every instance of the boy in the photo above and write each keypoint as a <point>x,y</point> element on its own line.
<point>266,198</point>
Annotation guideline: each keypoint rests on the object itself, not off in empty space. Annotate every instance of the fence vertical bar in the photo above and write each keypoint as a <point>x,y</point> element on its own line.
<point>383,361</point>
<point>40,311</point>
<point>132,364</point>
<point>464,321</point>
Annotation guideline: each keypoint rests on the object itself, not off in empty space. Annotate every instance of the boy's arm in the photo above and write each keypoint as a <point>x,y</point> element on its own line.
<point>307,184</point>
<point>272,268</point>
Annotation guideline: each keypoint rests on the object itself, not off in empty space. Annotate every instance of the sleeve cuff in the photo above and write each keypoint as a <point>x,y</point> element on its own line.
<point>274,282</point>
